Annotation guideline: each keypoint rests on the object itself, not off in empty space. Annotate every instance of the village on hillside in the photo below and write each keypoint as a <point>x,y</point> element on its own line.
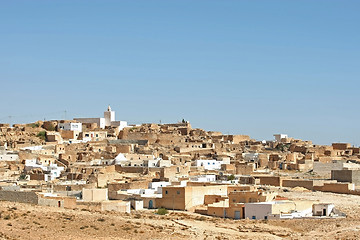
<point>107,165</point>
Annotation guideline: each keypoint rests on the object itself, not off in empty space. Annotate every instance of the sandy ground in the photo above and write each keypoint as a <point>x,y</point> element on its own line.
<point>25,221</point>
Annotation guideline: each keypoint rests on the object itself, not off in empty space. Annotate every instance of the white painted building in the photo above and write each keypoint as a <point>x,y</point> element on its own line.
<point>8,156</point>
<point>157,162</point>
<point>209,164</point>
<point>280,136</point>
<point>120,124</point>
<point>33,148</point>
<point>99,121</point>
<point>102,162</point>
<point>260,210</point>
<point>69,126</point>
<point>51,172</point>
<point>109,116</point>
<point>251,157</point>
<point>203,178</point>
<point>107,121</point>
<point>157,186</point>
<point>278,210</point>
<point>120,159</point>
<point>322,209</point>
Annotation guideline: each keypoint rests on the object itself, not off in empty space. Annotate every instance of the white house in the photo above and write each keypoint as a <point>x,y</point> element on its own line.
<point>107,121</point>
<point>70,126</point>
<point>280,136</point>
<point>157,186</point>
<point>209,164</point>
<point>99,121</point>
<point>322,209</point>
<point>109,116</point>
<point>156,162</point>
<point>120,124</point>
<point>8,156</point>
<point>278,209</point>
<point>251,157</point>
<point>120,158</point>
<point>51,172</point>
<point>203,178</point>
<point>33,148</point>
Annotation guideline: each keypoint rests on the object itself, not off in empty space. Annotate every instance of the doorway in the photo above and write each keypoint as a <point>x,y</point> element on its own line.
<point>237,214</point>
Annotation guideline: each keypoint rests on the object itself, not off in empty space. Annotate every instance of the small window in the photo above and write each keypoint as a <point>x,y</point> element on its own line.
<point>178,192</point>
<point>166,192</point>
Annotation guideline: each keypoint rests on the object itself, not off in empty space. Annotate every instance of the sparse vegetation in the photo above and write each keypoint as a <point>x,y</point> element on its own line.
<point>22,176</point>
<point>162,211</point>
<point>126,228</point>
<point>231,177</point>
<point>42,135</point>
<point>33,125</point>
<point>202,218</point>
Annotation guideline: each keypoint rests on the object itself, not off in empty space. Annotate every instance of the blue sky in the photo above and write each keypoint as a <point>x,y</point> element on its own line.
<point>240,67</point>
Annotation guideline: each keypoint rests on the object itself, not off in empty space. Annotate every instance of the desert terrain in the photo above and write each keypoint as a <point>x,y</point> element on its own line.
<point>25,221</point>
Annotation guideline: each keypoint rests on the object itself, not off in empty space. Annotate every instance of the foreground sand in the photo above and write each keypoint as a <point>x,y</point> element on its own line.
<point>25,221</point>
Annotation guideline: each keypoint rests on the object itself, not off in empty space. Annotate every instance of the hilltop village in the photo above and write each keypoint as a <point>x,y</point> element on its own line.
<point>107,165</point>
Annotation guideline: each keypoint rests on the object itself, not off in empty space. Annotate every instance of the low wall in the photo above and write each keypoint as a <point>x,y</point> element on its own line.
<point>119,168</point>
<point>270,180</point>
<point>17,196</point>
<point>88,205</point>
<point>308,184</point>
<point>345,188</point>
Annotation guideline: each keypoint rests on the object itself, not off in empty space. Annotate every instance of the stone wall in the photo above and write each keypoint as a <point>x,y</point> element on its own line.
<point>308,184</point>
<point>17,196</point>
<point>270,180</point>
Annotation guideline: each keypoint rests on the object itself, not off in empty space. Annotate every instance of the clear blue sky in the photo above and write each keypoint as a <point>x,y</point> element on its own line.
<point>240,67</point>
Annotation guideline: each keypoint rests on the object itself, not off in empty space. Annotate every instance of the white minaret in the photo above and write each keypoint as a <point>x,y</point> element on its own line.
<point>109,116</point>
